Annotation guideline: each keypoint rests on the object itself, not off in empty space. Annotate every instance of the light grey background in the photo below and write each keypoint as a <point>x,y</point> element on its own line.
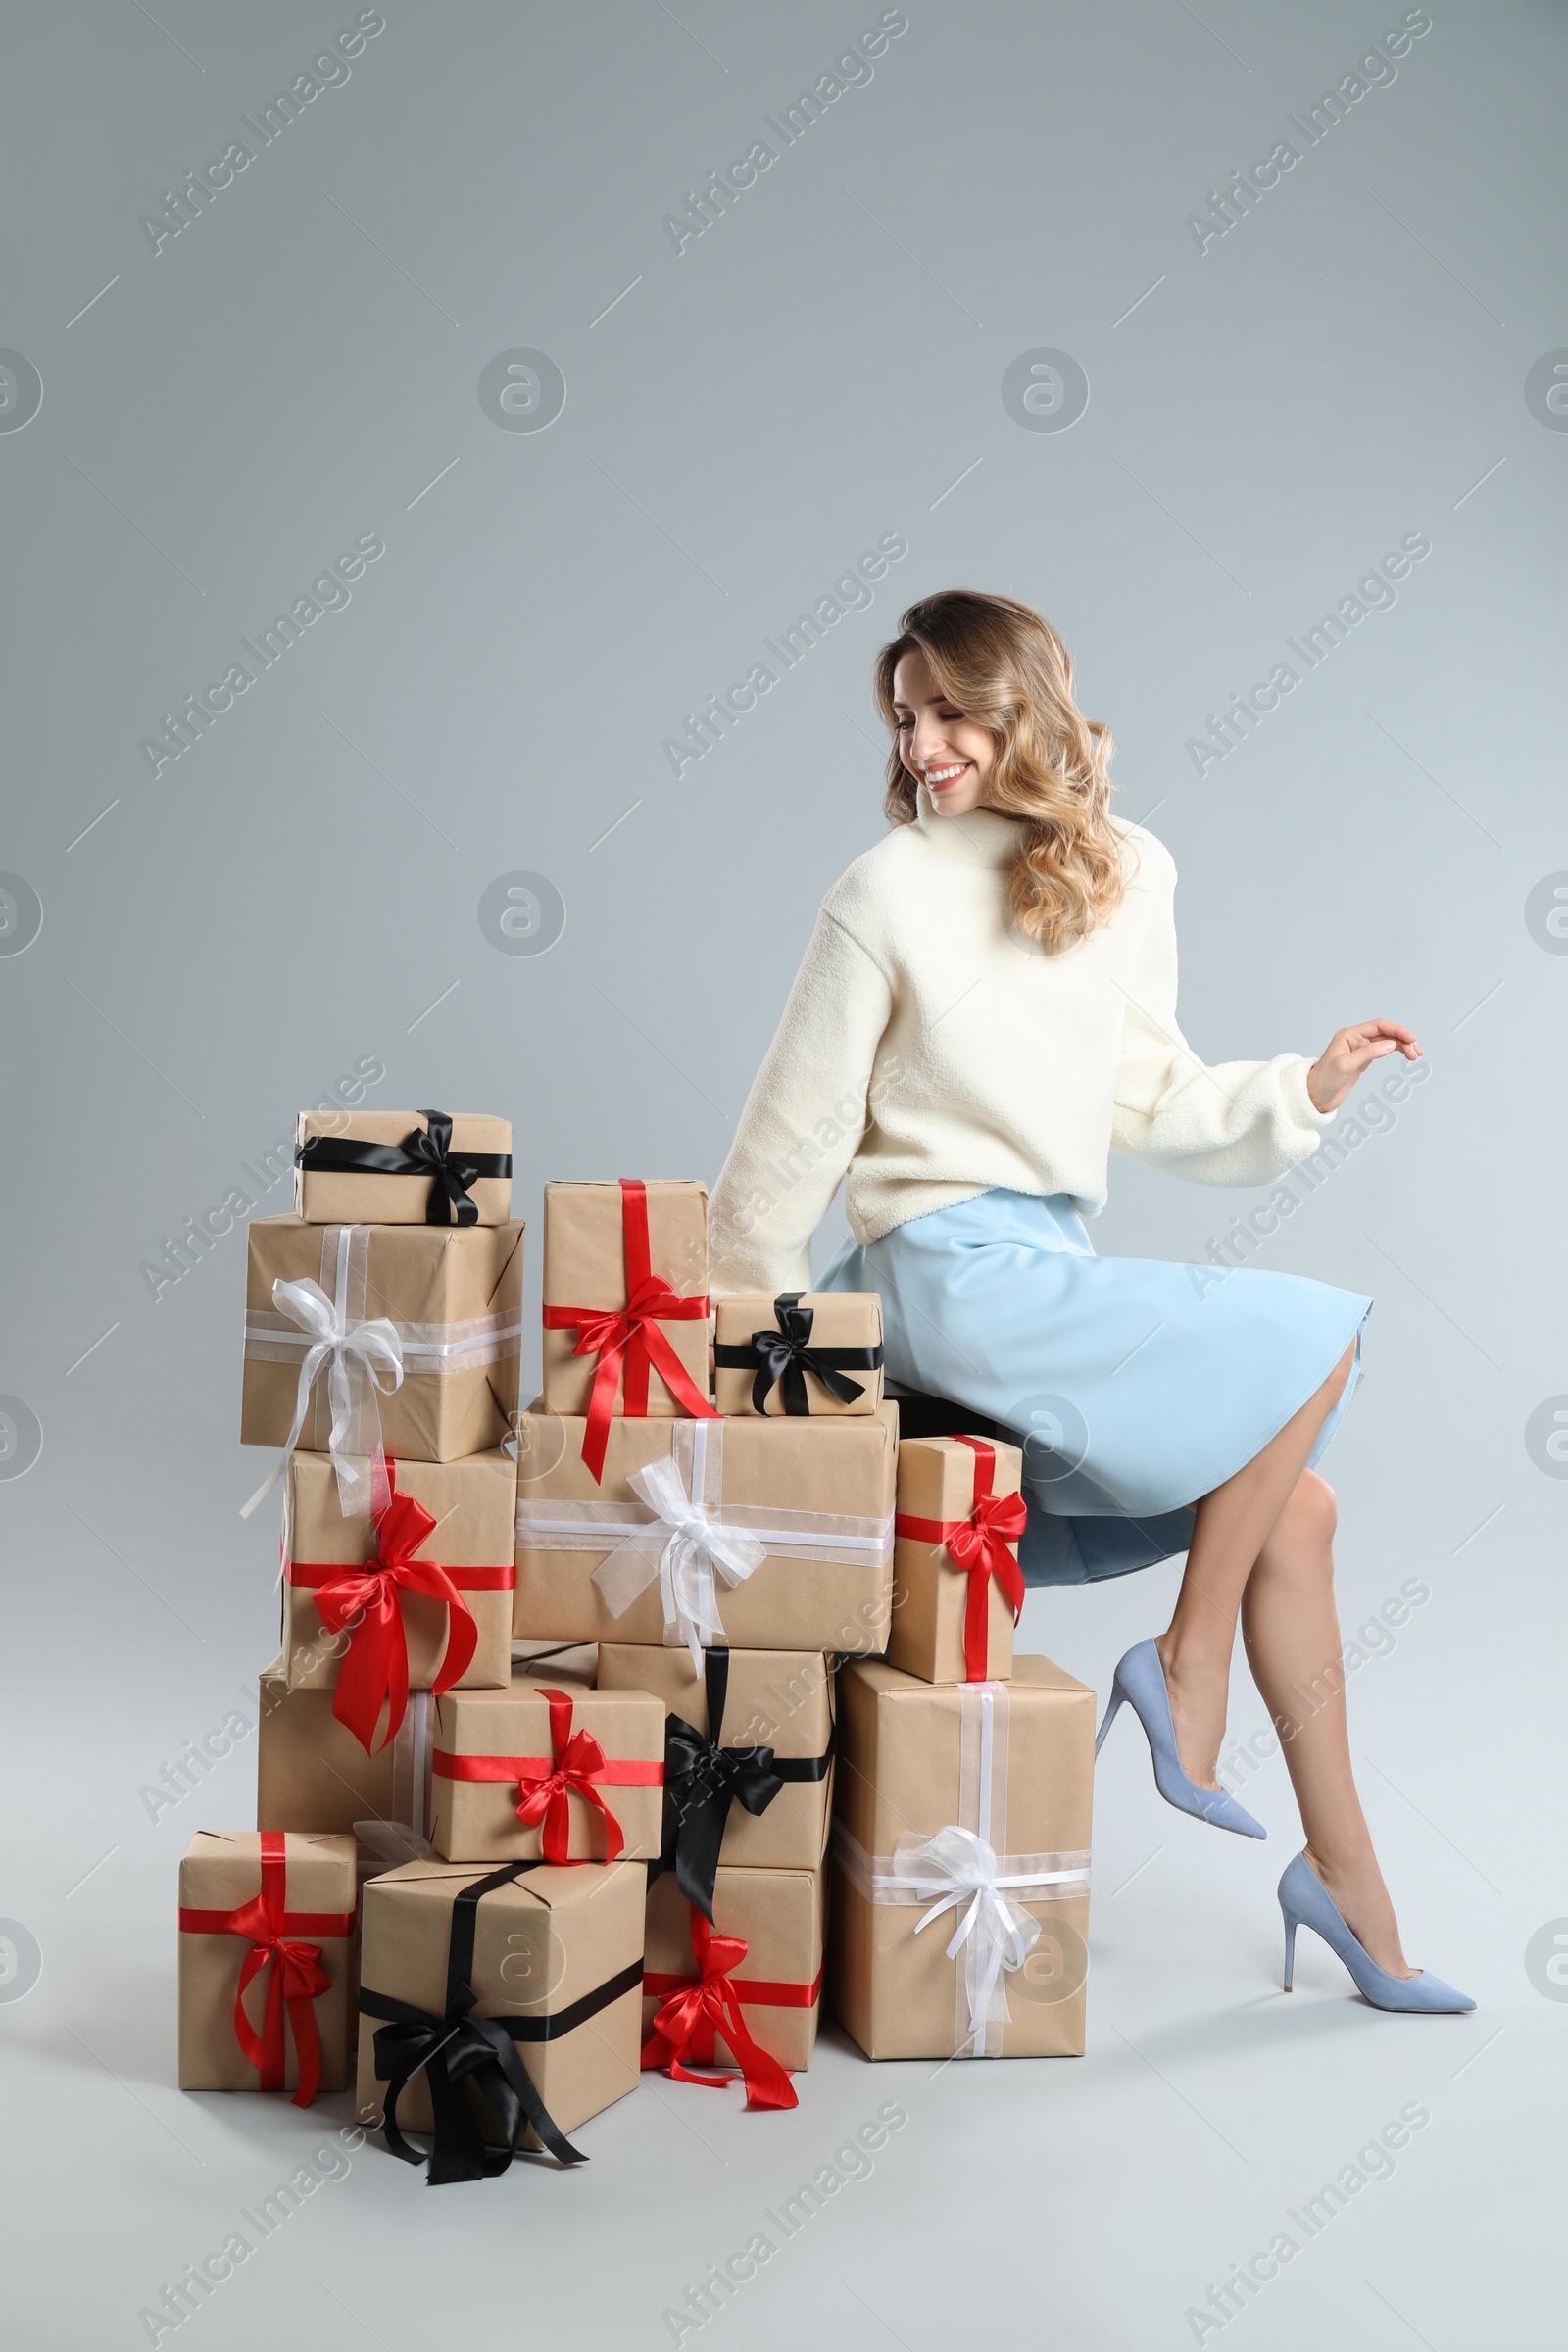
<point>299,892</point>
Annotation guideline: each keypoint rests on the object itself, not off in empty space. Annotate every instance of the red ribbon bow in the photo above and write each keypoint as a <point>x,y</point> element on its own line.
<point>629,1339</point>
<point>982,1546</point>
<point>685,2024</point>
<point>579,1761</point>
<point>377,1666</point>
<point>296,1976</point>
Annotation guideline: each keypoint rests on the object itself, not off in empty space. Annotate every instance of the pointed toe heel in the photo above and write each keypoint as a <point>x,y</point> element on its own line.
<point>1139,1683</point>
<point>1305,1902</point>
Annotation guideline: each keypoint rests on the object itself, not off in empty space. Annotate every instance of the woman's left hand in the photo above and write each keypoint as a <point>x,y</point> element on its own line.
<point>1348,1053</point>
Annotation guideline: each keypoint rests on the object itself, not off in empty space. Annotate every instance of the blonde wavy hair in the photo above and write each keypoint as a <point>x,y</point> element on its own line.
<point>1006,669</point>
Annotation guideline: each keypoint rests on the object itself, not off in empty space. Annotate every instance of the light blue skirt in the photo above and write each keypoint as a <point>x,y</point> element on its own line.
<point>1134,1386</point>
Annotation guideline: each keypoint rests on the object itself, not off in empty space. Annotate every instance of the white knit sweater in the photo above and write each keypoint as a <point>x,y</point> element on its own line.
<point>932,1051</point>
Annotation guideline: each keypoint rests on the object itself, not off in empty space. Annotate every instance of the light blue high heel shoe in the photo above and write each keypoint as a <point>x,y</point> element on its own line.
<point>1306,1902</point>
<point>1140,1684</point>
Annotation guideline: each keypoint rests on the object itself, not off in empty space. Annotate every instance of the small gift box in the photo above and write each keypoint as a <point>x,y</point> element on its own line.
<point>498,2008</point>
<point>361,1339</point>
<point>625,1304</point>
<point>805,1352</point>
<point>547,1769</point>
<point>266,1962</point>
<point>744,1994</point>
<point>748,1757</point>
<point>958,1587</point>
<point>312,1774</point>
<point>402,1168</point>
<point>754,1534</point>
<point>960,1902</point>
<point>414,1594</point>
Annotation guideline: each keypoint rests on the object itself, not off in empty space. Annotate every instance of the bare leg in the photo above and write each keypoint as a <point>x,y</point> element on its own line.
<point>1230,1528</point>
<point>1291,1632</point>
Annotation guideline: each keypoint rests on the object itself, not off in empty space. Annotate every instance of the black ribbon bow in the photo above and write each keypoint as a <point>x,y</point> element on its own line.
<point>702,1780</point>
<point>463,2053</point>
<point>419,1154</point>
<point>783,1358</point>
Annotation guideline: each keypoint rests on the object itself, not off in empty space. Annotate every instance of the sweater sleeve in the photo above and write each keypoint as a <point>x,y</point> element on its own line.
<point>804,1118</point>
<point>1231,1122</point>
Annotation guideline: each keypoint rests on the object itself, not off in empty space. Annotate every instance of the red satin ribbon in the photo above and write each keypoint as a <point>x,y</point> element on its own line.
<point>376,1665</point>
<point>297,1977</point>
<point>684,2024</point>
<point>546,1784</point>
<point>629,1339</point>
<point>983,1546</point>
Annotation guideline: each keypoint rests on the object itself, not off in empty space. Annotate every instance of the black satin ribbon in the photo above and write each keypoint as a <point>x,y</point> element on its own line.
<point>785,1356</point>
<point>702,1780</point>
<point>459,2049</point>
<point>419,1154</point>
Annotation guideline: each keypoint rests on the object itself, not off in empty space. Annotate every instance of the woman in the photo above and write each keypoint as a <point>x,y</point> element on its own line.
<point>986,1006</point>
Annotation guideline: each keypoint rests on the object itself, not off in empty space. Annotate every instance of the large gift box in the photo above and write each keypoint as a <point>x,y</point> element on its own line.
<point>747,1756</point>
<point>402,1168</point>
<point>956,1584</point>
<point>498,2008</point>
<point>756,1534</point>
<point>626,1302</point>
<point>407,1335</point>
<point>805,1352</point>
<point>743,1993</point>
<point>312,1774</point>
<point>266,1962</point>
<point>960,1901</point>
<point>413,1595</point>
<point>548,1769</point>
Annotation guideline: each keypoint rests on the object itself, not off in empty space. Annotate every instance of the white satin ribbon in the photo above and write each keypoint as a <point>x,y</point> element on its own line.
<point>361,1358</point>
<point>686,1546</point>
<point>958,1868</point>
<point>963,1868</point>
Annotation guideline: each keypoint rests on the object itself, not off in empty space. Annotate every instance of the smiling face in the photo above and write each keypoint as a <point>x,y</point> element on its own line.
<point>951,756</point>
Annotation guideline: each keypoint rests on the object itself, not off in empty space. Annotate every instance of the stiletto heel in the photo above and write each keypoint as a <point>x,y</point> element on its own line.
<point>1140,1684</point>
<point>1305,1902</point>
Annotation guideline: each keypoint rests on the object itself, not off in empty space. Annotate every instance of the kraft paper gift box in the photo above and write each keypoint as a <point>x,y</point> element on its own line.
<point>555,1957</point>
<point>548,1769</point>
<point>266,1930</point>
<point>312,1774</point>
<point>625,1275</point>
<point>747,1756</point>
<point>444,1303</point>
<point>958,1586</point>
<point>805,1352</point>
<point>745,1995</point>
<point>798,1514</point>
<point>946,1789</point>
<point>375,1603</point>
<point>402,1168</point>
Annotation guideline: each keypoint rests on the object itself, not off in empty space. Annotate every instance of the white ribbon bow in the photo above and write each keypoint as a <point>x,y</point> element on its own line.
<point>355,1354</point>
<point>683,1548</point>
<point>956,1867</point>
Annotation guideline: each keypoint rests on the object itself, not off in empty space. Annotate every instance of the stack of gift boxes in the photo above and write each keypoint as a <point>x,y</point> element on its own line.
<point>550,1761</point>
